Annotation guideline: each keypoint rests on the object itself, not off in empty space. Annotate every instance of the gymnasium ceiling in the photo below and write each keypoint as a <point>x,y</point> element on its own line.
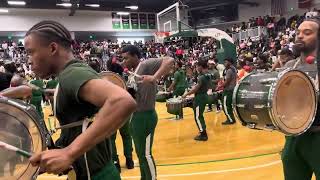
<point>118,5</point>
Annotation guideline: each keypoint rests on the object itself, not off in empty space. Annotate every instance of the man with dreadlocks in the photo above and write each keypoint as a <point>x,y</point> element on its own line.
<point>300,155</point>
<point>80,95</point>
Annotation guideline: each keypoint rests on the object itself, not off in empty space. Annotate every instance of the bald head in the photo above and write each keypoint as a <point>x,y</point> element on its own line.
<point>307,36</point>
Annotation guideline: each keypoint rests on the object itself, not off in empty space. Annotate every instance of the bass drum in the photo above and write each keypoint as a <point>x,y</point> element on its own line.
<point>114,78</point>
<point>22,127</point>
<point>285,101</point>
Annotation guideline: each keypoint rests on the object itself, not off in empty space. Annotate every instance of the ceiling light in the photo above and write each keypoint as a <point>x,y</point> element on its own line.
<point>93,5</point>
<point>18,3</point>
<point>123,13</point>
<point>132,7</point>
<point>4,10</point>
<point>65,4</point>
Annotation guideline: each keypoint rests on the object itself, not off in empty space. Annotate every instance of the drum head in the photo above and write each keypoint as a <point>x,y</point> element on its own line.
<point>19,129</point>
<point>294,103</point>
<point>114,78</point>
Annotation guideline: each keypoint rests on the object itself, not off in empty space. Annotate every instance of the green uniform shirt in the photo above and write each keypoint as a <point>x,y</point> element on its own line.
<point>38,83</point>
<point>52,84</point>
<point>204,82</point>
<point>180,79</point>
<point>215,76</point>
<point>70,108</point>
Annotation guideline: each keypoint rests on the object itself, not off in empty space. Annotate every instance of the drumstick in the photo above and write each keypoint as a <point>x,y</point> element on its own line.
<point>135,74</point>
<point>15,149</point>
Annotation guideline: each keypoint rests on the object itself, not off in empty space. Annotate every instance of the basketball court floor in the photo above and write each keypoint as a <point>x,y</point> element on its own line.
<point>231,152</point>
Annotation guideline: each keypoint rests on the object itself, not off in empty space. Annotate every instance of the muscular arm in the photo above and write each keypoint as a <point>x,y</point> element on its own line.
<point>22,91</point>
<point>116,106</point>
<point>164,69</point>
<point>193,90</point>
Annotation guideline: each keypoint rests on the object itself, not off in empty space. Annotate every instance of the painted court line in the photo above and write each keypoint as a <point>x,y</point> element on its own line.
<point>212,172</point>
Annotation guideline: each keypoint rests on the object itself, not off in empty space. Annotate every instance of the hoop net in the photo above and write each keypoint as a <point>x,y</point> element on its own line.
<point>160,36</point>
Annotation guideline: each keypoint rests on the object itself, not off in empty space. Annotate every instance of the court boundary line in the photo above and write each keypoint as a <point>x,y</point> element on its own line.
<point>212,172</point>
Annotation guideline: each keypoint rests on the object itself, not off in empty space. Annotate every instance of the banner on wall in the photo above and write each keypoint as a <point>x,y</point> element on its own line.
<point>151,21</point>
<point>143,21</point>
<point>125,22</point>
<point>116,21</point>
<point>134,21</point>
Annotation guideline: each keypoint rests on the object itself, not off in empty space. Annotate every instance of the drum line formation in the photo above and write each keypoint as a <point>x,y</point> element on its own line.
<point>261,100</point>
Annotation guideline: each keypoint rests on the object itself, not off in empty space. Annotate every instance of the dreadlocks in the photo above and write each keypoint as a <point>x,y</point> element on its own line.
<point>51,31</point>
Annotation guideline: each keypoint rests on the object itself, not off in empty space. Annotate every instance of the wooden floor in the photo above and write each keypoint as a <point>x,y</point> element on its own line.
<point>232,152</point>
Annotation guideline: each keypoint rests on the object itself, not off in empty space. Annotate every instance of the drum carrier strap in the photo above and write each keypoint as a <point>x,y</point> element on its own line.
<point>84,124</point>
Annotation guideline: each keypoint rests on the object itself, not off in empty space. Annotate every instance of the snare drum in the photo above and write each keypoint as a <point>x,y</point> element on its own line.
<point>174,106</point>
<point>285,101</point>
<point>114,78</point>
<point>20,126</point>
<point>162,96</point>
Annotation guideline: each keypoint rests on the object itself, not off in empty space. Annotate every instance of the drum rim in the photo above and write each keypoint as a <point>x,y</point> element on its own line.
<point>24,108</point>
<point>117,75</point>
<point>274,89</point>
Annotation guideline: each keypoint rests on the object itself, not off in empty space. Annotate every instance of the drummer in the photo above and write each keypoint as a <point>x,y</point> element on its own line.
<point>300,155</point>
<point>80,94</point>
<point>143,83</point>
<point>213,84</point>
<point>114,66</point>
<point>179,83</point>
<point>201,98</point>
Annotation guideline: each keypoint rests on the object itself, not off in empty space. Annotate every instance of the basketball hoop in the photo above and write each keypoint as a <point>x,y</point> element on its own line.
<point>159,36</point>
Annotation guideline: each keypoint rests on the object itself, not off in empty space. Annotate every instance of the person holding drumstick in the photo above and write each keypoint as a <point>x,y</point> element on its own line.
<point>201,98</point>
<point>143,85</point>
<point>300,155</point>
<point>179,83</point>
<point>80,94</point>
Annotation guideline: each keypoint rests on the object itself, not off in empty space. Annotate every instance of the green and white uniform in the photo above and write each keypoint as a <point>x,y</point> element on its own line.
<point>300,155</point>
<point>230,73</point>
<point>215,76</point>
<point>36,97</point>
<point>144,120</point>
<point>126,140</point>
<point>180,82</point>
<point>70,108</point>
<point>201,100</point>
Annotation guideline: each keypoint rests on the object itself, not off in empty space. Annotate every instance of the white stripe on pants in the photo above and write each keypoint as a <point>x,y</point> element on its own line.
<point>149,159</point>
<point>225,108</point>
<point>197,118</point>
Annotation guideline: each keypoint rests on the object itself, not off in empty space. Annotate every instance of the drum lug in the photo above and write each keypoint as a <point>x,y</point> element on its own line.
<point>251,125</point>
<point>269,127</point>
<point>259,106</point>
<point>241,105</point>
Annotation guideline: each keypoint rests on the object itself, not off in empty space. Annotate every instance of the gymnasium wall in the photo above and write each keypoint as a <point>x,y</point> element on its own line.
<point>23,19</point>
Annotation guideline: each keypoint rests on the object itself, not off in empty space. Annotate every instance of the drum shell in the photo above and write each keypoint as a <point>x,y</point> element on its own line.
<point>23,113</point>
<point>114,78</point>
<point>254,109</point>
<point>174,108</point>
<point>259,101</point>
